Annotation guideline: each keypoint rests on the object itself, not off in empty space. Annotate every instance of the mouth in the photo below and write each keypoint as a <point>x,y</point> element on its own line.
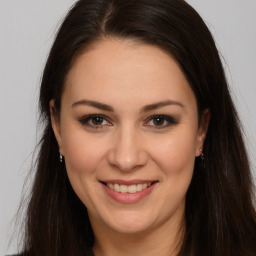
<point>130,187</point>
<point>129,192</point>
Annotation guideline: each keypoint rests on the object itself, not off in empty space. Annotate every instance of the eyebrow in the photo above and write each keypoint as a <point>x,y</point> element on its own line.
<point>161,104</point>
<point>106,107</point>
<point>94,104</point>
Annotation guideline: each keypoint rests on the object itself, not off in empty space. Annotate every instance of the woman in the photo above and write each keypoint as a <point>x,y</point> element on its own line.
<point>142,152</point>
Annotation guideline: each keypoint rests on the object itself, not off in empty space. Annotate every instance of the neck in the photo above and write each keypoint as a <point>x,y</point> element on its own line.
<point>165,240</point>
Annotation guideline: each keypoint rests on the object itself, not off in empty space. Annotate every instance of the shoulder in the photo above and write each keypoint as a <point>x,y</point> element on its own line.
<point>14,255</point>
<point>19,254</point>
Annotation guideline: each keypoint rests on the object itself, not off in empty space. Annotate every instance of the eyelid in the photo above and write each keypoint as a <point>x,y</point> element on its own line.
<point>85,121</point>
<point>171,121</point>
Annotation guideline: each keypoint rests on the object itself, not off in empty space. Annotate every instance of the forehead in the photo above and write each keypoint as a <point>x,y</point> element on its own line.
<point>126,71</point>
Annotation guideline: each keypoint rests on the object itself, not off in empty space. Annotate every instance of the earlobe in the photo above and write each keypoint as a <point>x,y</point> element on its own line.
<point>202,131</point>
<point>55,121</point>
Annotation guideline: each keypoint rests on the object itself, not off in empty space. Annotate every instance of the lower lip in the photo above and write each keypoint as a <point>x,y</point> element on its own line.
<point>129,198</point>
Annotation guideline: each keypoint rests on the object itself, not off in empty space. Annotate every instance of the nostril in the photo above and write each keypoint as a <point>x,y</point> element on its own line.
<point>127,156</point>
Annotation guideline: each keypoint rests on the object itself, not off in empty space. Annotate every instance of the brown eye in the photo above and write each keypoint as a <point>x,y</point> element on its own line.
<point>159,121</point>
<point>97,120</point>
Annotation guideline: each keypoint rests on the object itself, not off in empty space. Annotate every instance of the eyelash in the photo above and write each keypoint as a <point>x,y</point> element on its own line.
<point>167,119</point>
<point>85,121</point>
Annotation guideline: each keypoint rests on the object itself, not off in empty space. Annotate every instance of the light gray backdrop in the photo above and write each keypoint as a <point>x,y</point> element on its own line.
<point>27,29</point>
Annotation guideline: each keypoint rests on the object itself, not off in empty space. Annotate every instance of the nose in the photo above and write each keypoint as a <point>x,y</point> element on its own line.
<point>127,152</point>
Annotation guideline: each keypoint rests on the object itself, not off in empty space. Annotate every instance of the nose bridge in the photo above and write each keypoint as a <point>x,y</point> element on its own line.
<point>127,152</point>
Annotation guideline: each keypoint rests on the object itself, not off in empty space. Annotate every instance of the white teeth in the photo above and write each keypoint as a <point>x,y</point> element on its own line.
<point>117,187</point>
<point>139,187</point>
<point>123,188</point>
<point>130,189</point>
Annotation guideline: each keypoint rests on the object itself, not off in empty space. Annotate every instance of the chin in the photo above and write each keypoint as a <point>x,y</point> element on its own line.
<point>130,227</point>
<point>129,222</point>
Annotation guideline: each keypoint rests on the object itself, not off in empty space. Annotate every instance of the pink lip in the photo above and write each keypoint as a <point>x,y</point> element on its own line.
<point>128,182</point>
<point>128,198</point>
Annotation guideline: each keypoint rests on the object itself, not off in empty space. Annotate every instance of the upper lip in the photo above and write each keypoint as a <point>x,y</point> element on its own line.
<point>128,182</point>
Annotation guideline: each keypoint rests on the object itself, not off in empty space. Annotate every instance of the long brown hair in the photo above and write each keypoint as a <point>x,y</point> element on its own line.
<point>220,216</point>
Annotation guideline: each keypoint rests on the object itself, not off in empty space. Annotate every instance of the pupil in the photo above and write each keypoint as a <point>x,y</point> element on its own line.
<point>97,120</point>
<point>158,121</point>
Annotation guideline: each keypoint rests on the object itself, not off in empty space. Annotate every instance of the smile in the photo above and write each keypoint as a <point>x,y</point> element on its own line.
<point>128,192</point>
<point>128,189</point>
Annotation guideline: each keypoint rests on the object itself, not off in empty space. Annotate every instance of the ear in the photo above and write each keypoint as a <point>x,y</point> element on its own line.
<point>55,121</point>
<point>202,131</point>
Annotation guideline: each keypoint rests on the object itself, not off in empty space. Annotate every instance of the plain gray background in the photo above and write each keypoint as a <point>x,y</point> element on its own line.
<point>27,30</point>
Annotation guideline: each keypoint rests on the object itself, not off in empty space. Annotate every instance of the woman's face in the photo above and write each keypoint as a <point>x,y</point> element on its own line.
<point>129,132</point>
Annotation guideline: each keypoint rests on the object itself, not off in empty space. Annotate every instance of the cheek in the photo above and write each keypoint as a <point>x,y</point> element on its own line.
<point>176,154</point>
<point>176,158</point>
<point>83,155</point>
<point>82,152</point>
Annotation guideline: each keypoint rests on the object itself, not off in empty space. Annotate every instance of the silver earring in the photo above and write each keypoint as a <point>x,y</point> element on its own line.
<point>61,157</point>
<point>201,154</point>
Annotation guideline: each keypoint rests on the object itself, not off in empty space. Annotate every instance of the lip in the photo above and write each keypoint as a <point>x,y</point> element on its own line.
<point>128,183</point>
<point>129,198</point>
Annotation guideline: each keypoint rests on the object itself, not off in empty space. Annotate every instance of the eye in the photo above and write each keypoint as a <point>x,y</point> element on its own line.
<point>160,121</point>
<point>95,121</point>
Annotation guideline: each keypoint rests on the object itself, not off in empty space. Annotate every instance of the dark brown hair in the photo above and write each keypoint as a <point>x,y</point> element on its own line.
<point>220,216</point>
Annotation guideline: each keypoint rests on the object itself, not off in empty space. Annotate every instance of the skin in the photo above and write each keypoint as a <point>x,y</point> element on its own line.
<point>129,144</point>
